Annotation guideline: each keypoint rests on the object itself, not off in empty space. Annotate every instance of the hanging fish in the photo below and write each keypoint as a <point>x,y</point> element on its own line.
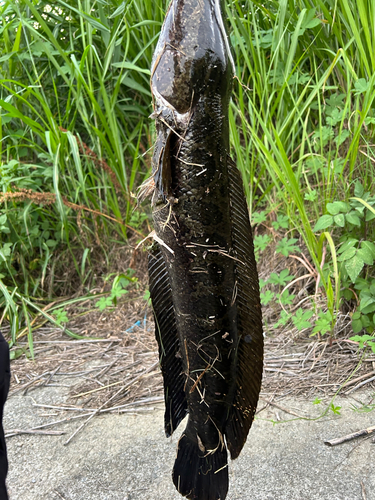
<point>203,278</point>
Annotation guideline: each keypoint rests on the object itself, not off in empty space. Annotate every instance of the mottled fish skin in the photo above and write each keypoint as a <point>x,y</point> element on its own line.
<point>203,278</point>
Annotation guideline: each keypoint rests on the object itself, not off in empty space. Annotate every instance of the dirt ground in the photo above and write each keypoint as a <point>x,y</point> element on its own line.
<point>85,421</point>
<point>127,457</point>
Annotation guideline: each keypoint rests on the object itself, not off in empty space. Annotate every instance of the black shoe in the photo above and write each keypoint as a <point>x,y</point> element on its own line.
<point>4,389</point>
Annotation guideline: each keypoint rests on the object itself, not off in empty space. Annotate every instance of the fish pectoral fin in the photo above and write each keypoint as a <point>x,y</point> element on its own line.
<point>249,324</point>
<point>167,338</point>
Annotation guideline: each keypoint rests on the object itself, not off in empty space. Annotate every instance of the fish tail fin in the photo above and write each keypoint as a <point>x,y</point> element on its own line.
<point>200,475</point>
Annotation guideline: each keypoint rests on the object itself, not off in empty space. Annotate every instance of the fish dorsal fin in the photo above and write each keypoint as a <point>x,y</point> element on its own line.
<point>167,338</point>
<point>250,332</point>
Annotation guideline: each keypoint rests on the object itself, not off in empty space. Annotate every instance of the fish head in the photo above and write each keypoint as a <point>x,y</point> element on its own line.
<point>192,58</point>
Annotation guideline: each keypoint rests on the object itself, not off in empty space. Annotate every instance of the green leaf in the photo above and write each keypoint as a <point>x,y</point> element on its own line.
<point>358,189</point>
<point>353,218</point>
<point>132,84</point>
<point>147,297</point>
<point>104,302</point>
<point>131,66</point>
<point>336,100</point>
<point>360,86</point>
<point>280,279</point>
<point>266,297</point>
<point>117,292</point>
<point>311,195</point>
<point>339,220</point>
<point>369,247</point>
<point>283,320</point>
<point>262,283</point>
<point>334,118</point>
<point>285,246</point>
<point>335,409</point>
<point>6,249</point>
<point>323,324</point>
<point>337,207</point>
<point>301,319</point>
<point>92,20</point>
<point>261,241</point>
<point>323,222</point>
<point>363,340</point>
<point>367,305</point>
<point>60,316</point>
<point>353,267</point>
<point>366,255</point>
<point>348,254</point>
<point>342,137</point>
<point>286,298</point>
<point>258,217</point>
<point>281,222</point>
<point>351,242</point>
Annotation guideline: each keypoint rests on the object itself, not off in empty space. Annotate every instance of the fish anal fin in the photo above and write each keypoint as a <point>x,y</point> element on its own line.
<point>249,322</point>
<point>167,338</point>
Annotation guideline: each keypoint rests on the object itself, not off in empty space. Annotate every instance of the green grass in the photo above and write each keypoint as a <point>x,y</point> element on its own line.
<point>75,101</point>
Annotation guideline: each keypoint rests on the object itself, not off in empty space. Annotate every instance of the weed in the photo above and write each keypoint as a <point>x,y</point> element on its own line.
<point>335,409</point>
<point>119,288</point>
<point>364,341</point>
<point>356,251</point>
<point>301,319</point>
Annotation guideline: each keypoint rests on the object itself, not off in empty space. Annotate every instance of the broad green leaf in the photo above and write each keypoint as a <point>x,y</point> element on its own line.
<point>366,255</point>
<point>339,220</point>
<point>348,254</point>
<point>358,189</point>
<point>337,207</point>
<point>356,325</point>
<point>353,267</point>
<point>323,222</point>
<point>369,246</point>
<point>367,305</point>
<point>353,218</point>
<point>348,244</point>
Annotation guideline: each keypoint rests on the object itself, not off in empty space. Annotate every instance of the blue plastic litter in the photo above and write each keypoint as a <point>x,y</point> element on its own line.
<point>144,320</point>
<point>131,328</point>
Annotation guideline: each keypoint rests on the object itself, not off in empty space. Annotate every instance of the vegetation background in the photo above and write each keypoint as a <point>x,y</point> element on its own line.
<point>76,142</point>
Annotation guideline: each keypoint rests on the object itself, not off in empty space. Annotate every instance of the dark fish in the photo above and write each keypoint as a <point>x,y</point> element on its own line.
<point>203,278</point>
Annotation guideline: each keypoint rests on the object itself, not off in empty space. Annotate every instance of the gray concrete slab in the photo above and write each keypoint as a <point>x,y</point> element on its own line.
<point>127,457</point>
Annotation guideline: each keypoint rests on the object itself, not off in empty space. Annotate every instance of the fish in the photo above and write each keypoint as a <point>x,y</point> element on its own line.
<point>203,278</point>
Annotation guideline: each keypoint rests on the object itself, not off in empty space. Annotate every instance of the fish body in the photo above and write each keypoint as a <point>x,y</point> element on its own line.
<point>203,279</point>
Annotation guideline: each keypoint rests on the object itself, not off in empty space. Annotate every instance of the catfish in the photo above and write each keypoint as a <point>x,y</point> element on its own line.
<point>202,271</point>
